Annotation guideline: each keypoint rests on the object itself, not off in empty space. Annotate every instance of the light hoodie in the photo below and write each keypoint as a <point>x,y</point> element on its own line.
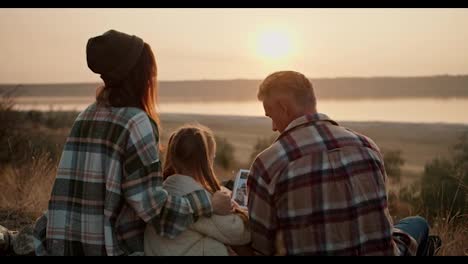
<point>206,237</point>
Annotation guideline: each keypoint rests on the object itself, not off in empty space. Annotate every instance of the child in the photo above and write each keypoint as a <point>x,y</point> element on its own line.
<point>189,167</point>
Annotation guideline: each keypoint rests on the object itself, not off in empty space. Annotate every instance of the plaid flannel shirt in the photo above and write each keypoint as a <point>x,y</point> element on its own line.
<point>320,189</point>
<point>109,187</point>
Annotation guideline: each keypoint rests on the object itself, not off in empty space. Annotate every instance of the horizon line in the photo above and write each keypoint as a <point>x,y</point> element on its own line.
<point>250,79</point>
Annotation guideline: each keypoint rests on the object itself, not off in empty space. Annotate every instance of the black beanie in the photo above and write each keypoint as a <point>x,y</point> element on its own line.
<point>113,54</point>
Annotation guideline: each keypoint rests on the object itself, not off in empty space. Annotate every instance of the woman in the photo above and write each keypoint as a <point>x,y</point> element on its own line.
<point>189,168</point>
<point>108,184</point>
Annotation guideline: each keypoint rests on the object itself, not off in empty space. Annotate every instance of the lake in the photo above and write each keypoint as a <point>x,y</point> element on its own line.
<point>413,110</point>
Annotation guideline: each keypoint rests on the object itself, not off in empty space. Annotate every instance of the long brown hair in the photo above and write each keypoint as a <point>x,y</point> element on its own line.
<point>138,89</point>
<point>192,148</point>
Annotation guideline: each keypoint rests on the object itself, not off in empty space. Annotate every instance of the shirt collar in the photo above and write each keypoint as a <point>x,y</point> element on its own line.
<point>309,118</point>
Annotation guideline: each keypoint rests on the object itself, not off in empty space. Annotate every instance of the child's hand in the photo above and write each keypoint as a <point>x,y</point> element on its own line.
<point>235,206</point>
<point>226,190</point>
<point>222,204</point>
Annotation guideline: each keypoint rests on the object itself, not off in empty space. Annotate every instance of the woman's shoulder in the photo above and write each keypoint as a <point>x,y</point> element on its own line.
<point>109,113</point>
<point>132,117</point>
<point>130,113</point>
<point>124,118</point>
<point>137,117</point>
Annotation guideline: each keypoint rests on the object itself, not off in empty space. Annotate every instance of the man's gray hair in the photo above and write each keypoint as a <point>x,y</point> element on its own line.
<point>288,82</point>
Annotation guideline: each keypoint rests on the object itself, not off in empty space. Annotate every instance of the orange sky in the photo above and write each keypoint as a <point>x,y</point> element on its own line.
<point>48,45</point>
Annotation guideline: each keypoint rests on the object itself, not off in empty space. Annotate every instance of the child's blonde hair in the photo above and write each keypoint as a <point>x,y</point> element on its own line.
<point>192,148</point>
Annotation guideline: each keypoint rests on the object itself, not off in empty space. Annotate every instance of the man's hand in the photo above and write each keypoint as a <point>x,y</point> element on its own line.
<point>221,201</point>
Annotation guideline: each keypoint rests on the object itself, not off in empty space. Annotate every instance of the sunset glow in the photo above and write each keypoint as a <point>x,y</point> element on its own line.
<point>274,45</point>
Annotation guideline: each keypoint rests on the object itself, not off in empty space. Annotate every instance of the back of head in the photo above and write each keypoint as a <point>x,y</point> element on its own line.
<point>288,83</point>
<point>128,68</point>
<point>190,150</point>
<point>113,54</point>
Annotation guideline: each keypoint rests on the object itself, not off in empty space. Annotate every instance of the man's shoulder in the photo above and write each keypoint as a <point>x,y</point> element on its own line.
<point>272,154</point>
<point>365,140</point>
<point>345,134</point>
<point>269,162</point>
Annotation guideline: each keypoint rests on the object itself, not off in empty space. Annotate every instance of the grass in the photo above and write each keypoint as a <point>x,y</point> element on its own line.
<point>26,189</point>
<point>25,186</point>
<point>452,230</point>
<point>454,236</point>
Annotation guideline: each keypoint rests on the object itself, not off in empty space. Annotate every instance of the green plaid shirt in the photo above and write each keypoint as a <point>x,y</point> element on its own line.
<point>109,187</point>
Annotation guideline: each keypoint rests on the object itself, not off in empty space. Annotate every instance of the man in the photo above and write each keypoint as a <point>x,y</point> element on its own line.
<point>320,189</point>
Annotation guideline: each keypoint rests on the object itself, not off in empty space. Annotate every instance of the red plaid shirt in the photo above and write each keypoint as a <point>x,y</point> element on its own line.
<point>320,189</point>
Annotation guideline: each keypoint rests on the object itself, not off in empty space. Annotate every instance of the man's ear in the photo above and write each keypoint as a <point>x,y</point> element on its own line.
<point>284,107</point>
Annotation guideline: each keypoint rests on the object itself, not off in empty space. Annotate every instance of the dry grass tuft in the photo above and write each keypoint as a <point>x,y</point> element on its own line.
<point>25,189</point>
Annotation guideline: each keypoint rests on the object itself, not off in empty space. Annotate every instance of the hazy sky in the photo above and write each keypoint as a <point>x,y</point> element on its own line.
<point>48,45</point>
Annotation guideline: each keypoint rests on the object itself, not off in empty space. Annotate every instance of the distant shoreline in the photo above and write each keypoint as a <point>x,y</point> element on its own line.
<point>405,110</point>
<point>437,87</point>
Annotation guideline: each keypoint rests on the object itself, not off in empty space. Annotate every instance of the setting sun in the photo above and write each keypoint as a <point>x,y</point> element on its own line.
<point>274,45</point>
